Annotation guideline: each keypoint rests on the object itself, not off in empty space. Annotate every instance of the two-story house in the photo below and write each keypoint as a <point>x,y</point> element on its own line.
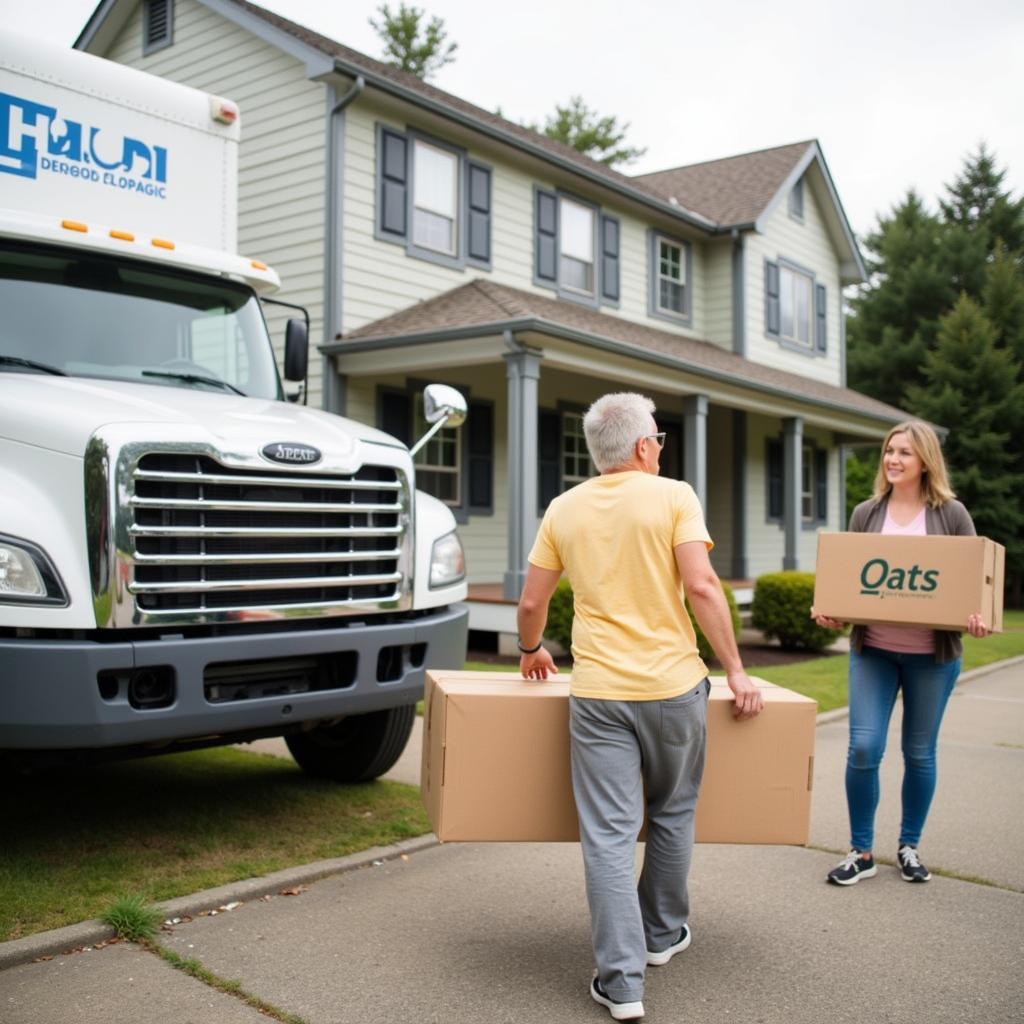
<point>435,241</point>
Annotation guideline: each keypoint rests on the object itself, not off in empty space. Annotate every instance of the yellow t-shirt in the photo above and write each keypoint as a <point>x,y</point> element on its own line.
<point>614,536</point>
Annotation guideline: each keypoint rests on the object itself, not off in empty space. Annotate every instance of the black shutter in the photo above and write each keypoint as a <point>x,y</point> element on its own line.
<point>820,485</point>
<point>549,456</point>
<point>610,258</point>
<point>820,309</point>
<point>396,415</point>
<point>775,477</point>
<point>479,213</point>
<point>771,297</point>
<point>394,176</point>
<point>546,216</point>
<point>480,427</point>
<point>156,24</point>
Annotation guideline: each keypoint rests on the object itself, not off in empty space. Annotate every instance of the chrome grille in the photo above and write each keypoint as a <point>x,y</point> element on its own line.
<point>208,538</point>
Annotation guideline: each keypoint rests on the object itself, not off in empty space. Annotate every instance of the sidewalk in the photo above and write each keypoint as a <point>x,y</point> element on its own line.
<point>478,933</point>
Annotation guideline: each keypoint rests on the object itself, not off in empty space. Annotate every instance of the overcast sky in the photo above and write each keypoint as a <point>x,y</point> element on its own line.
<point>896,91</point>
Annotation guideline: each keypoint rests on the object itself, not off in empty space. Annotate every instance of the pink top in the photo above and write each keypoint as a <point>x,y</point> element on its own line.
<point>902,639</point>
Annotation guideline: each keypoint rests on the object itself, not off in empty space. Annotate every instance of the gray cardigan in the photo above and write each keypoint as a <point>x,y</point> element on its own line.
<point>950,519</point>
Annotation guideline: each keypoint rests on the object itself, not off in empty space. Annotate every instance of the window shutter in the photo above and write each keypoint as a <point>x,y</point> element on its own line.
<point>479,213</point>
<point>396,415</point>
<point>775,471</point>
<point>771,297</point>
<point>394,176</point>
<point>821,485</point>
<point>610,258</point>
<point>157,25</point>
<point>546,216</point>
<point>480,429</point>
<point>549,432</point>
<point>820,309</point>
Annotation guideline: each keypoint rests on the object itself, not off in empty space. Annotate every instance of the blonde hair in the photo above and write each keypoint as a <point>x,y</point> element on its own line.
<point>935,486</point>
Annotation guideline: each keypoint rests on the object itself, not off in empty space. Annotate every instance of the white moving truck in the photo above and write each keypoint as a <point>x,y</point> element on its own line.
<point>186,558</point>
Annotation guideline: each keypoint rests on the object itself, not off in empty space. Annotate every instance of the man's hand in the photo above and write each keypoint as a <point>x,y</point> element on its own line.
<point>748,700</point>
<point>537,665</point>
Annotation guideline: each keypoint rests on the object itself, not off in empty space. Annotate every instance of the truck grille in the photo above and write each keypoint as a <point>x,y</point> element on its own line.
<point>211,538</point>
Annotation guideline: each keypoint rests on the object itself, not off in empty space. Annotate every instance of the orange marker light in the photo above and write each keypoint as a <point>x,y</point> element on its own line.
<point>258,265</point>
<point>74,225</point>
<point>124,236</point>
<point>162,243</point>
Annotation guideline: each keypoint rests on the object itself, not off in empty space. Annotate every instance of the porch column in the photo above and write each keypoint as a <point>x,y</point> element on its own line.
<point>740,562</point>
<point>695,446</point>
<point>523,372</point>
<point>792,488</point>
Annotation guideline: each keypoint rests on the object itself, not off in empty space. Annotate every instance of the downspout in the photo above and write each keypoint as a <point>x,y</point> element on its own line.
<point>739,327</point>
<point>333,399</point>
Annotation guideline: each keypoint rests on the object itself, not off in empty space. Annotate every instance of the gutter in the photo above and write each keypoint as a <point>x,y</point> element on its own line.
<point>556,330</point>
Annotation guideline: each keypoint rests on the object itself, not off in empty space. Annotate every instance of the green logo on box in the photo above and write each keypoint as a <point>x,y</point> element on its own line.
<point>878,577</point>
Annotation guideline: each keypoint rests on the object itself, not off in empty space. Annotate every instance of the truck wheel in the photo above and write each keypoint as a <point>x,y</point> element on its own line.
<point>356,749</point>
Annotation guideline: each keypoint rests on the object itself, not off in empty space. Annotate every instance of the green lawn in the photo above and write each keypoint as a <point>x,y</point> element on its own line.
<point>168,826</point>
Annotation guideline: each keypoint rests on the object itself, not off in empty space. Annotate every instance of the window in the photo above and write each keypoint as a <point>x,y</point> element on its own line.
<point>669,275</point>
<point>438,462</point>
<point>575,458</point>
<point>796,201</point>
<point>576,255</point>
<point>432,199</point>
<point>576,249</point>
<point>157,25</point>
<point>455,466</point>
<point>813,482</point>
<point>796,307</point>
<point>435,184</point>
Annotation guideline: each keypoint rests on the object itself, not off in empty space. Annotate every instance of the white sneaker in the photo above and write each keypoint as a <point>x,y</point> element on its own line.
<point>619,1011</point>
<point>663,957</point>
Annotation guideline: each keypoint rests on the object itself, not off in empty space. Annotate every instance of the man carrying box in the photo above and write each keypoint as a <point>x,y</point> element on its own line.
<point>633,544</point>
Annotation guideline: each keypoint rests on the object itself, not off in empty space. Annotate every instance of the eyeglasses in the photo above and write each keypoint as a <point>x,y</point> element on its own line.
<point>659,437</point>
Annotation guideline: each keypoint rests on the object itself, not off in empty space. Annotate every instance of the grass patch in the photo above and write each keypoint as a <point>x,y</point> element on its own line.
<point>168,826</point>
<point>823,679</point>
<point>133,918</point>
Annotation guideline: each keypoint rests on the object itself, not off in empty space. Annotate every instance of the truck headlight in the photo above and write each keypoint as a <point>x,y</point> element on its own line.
<point>26,575</point>
<point>447,561</point>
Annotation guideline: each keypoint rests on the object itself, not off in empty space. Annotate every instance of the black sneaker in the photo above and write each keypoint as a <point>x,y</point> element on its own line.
<point>852,868</point>
<point>911,868</point>
<point>619,1011</point>
<point>682,941</point>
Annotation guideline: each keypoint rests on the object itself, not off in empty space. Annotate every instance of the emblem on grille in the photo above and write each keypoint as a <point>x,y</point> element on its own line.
<point>291,453</point>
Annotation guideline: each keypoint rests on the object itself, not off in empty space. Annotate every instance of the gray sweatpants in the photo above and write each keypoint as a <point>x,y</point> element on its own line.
<point>628,756</point>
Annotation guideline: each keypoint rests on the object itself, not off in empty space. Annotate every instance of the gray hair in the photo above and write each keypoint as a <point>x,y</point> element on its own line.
<point>613,425</point>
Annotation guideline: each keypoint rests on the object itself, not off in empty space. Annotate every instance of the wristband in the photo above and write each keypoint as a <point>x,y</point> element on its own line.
<point>529,650</point>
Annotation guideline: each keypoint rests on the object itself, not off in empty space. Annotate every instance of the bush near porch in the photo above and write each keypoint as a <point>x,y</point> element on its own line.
<point>781,609</point>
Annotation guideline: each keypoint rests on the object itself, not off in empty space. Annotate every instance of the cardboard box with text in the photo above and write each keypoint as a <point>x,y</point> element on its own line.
<point>929,581</point>
<point>496,763</point>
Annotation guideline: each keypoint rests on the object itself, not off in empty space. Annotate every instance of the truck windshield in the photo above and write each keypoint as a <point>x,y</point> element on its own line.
<point>89,315</point>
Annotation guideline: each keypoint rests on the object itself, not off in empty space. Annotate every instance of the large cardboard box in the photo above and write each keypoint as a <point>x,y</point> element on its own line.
<point>496,763</point>
<point>915,581</point>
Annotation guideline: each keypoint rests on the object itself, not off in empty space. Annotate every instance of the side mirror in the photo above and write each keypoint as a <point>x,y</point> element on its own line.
<point>296,351</point>
<point>442,407</point>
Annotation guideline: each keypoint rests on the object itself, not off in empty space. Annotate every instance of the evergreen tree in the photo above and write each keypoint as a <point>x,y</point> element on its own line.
<point>587,131</point>
<point>861,467</point>
<point>1002,298</point>
<point>978,204</point>
<point>972,387</point>
<point>895,315</point>
<point>404,46</point>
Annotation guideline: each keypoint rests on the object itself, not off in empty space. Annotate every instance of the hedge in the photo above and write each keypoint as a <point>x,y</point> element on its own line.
<point>782,611</point>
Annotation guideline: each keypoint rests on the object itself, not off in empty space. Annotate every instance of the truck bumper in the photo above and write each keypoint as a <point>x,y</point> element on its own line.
<point>65,695</point>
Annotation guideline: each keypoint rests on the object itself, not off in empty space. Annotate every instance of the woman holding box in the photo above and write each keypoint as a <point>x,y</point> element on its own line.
<point>912,497</point>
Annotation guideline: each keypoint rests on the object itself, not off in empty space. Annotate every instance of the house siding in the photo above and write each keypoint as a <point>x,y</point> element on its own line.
<point>717,293</point>
<point>806,244</point>
<point>281,200</point>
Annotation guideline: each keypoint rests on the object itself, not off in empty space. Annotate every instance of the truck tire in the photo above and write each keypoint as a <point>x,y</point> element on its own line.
<point>356,749</point>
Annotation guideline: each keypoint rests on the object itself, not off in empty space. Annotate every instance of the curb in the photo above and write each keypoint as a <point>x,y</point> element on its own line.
<point>836,714</point>
<point>88,933</point>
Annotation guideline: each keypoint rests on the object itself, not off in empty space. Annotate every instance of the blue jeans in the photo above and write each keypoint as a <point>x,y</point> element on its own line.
<point>876,676</point>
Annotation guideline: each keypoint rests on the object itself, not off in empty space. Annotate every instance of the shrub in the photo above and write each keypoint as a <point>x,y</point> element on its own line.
<point>559,627</point>
<point>782,610</point>
<point>560,615</point>
<point>703,644</point>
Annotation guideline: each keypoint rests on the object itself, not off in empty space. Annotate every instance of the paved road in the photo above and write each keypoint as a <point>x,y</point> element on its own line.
<point>478,933</point>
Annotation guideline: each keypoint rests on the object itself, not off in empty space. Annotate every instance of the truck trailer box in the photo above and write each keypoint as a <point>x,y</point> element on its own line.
<point>929,581</point>
<point>496,763</point>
